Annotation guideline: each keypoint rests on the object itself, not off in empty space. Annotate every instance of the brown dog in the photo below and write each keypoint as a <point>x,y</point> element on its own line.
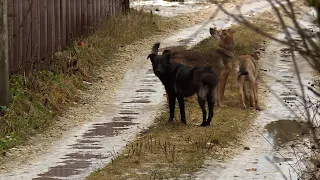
<point>246,70</point>
<point>219,59</point>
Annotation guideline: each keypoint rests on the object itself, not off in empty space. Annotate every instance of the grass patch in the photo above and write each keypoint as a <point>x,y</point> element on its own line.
<point>45,91</point>
<point>175,150</point>
<point>169,150</point>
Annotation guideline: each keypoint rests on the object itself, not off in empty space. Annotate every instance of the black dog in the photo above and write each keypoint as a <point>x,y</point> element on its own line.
<point>183,81</point>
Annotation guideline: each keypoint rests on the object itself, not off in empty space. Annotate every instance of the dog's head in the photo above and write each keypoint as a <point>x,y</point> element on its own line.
<point>160,63</point>
<point>225,36</point>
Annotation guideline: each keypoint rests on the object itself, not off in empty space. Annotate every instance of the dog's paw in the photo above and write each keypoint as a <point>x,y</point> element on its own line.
<point>183,121</point>
<point>222,105</point>
<point>204,124</point>
<point>170,120</point>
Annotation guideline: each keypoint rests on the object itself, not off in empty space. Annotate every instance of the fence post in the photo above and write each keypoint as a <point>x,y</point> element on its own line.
<point>126,6</point>
<point>4,69</point>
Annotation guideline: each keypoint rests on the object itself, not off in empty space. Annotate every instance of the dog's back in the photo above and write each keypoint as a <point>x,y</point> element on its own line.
<point>216,60</point>
<point>219,59</point>
<point>189,80</point>
<point>246,65</point>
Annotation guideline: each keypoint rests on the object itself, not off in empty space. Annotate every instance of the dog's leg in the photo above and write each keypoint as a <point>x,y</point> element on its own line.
<point>241,91</point>
<point>216,94</point>
<point>255,93</point>
<point>210,107</point>
<point>222,86</point>
<point>252,86</point>
<point>223,81</point>
<point>172,105</point>
<point>182,109</point>
<point>251,94</point>
<point>202,105</point>
<point>245,91</point>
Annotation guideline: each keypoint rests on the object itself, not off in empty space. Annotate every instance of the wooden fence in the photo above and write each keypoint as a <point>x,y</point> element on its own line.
<point>39,28</point>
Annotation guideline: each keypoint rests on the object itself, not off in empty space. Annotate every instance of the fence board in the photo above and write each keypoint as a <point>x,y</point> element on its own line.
<point>78,18</point>
<point>73,10</point>
<point>117,2</point>
<point>43,28</point>
<point>102,9</point>
<point>57,23</point>
<point>26,31</point>
<point>94,13</point>
<point>108,7</point>
<point>89,12</point>
<point>19,33</point>
<point>98,12</point>
<point>35,31</point>
<point>84,14</point>
<point>68,21</point>
<point>10,33</point>
<point>51,30</point>
<point>63,21</point>
<point>112,7</point>
<point>127,5</point>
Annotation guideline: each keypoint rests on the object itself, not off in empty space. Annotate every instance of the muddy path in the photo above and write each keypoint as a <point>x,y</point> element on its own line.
<point>279,140</point>
<point>112,117</point>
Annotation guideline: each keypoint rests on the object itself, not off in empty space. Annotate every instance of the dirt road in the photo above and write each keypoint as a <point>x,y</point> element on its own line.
<point>113,118</point>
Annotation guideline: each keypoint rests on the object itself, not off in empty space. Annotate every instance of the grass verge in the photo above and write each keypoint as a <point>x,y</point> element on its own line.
<point>175,150</point>
<point>44,92</point>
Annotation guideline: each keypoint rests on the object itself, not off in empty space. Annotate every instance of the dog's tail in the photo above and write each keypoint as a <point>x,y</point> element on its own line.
<point>242,71</point>
<point>209,79</point>
<point>155,48</point>
<point>209,83</point>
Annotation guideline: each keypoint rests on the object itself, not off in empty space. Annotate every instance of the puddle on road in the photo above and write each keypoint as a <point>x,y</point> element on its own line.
<point>74,164</point>
<point>41,178</point>
<point>138,101</point>
<point>281,132</point>
<point>145,90</point>
<point>67,170</point>
<point>124,118</point>
<point>107,129</point>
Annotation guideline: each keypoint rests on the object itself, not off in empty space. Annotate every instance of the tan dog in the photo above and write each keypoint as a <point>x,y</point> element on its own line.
<point>219,59</point>
<point>246,70</point>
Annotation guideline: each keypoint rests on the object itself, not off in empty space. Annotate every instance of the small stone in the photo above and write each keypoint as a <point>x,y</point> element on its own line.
<point>246,148</point>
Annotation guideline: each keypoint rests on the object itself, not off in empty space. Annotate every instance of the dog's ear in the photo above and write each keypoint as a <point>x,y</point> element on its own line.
<point>231,31</point>
<point>167,56</point>
<point>166,51</point>
<point>151,56</point>
<point>213,31</point>
<point>255,56</point>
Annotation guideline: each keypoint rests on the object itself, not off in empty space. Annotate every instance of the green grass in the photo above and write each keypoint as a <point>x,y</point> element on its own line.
<point>41,94</point>
<point>174,150</point>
